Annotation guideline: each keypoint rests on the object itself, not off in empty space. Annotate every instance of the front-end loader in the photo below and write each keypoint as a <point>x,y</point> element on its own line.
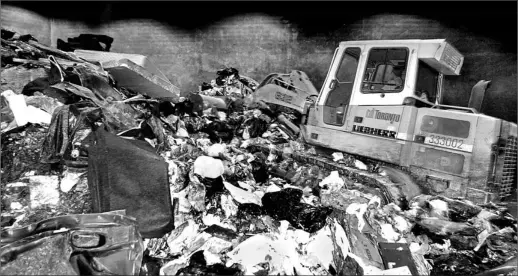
<point>382,100</point>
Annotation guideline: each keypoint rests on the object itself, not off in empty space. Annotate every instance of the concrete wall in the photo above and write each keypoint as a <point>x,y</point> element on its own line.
<point>259,44</point>
<point>25,22</point>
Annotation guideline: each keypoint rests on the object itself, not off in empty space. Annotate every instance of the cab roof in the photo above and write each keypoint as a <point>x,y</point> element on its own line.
<point>437,53</point>
<point>396,41</point>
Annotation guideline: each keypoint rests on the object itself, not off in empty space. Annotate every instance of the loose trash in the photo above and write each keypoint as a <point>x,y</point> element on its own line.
<point>182,236</point>
<point>208,167</point>
<point>332,183</point>
<point>360,165</point>
<point>44,190</point>
<point>397,255</point>
<point>210,181</point>
<point>337,156</point>
<point>286,205</point>
<point>70,179</point>
<point>241,195</point>
<point>23,113</point>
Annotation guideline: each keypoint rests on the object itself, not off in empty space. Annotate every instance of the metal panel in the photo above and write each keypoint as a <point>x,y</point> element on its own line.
<point>380,148</point>
<point>437,135</point>
<point>441,160</point>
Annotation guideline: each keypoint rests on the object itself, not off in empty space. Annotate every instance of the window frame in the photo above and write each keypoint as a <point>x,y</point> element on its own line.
<point>407,62</point>
<point>335,77</point>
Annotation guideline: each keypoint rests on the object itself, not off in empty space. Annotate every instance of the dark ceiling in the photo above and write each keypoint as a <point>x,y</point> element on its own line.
<point>493,19</point>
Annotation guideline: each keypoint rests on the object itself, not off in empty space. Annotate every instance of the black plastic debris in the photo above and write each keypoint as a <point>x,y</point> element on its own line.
<point>213,186</point>
<point>249,214</point>
<point>459,263</point>
<point>219,131</point>
<point>98,84</point>
<point>197,103</point>
<point>69,120</point>
<point>158,131</point>
<point>224,74</point>
<point>42,85</point>
<point>194,124</point>
<point>221,232</point>
<point>251,209</point>
<point>458,210</point>
<point>25,49</point>
<point>503,244</point>
<point>119,116</point>
<point>198,266</point>
<point>350,267</point>
<point>86,42</point>
<point>57,139</point>
<point>286,205</point>
<point>508,268</point>
<point>80,91</point>
<point>150,266</point>
<point>7,221</point>
<point>205,86</point>
<point>255,127</point>
<point>134,178</point>
<point>6,34</point>
<point>463,242</point>
<point>259,167</point>
<point>236,105</point>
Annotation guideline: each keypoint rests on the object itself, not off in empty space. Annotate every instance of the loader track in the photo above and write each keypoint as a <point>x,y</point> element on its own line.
<point>370,179</point>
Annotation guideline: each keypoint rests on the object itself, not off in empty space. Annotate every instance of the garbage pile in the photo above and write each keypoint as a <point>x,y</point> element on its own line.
<point>191,192</point>
<point>229,83</point>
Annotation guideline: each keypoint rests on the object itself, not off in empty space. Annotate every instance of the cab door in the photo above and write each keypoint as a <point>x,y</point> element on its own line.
<point>333,103</point>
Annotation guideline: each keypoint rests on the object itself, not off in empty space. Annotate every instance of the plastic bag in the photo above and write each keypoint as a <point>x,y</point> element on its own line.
<point>286,205</point>
<point>259,168</point>
<point>213,186</point>
<point>221,232</point>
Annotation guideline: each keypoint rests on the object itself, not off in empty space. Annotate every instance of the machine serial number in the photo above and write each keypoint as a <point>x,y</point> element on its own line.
<point>445,142</point>
<point>283,97</point>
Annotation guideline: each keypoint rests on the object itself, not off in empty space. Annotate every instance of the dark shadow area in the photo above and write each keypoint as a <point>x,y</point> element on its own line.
<point>495,20</point>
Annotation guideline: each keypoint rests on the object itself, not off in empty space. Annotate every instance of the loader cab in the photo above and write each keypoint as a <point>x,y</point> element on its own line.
<point>386,73</point>
<point>382,100</point>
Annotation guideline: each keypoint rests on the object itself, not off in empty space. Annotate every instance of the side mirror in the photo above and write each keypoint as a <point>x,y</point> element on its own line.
<point>333,84</point>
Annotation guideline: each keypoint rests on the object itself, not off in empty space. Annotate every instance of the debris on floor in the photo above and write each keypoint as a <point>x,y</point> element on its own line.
<point>81,244</point>
<point>200,193</point>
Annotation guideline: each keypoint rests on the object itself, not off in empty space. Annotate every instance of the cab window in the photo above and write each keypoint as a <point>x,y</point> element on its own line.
<point>426,83</point>
<point>386,70</point>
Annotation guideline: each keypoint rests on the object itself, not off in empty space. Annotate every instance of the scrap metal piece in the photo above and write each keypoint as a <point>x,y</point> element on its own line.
<point>104,243</point>
<point>106,57</point>
<point>289,90</point>
<point>134,77</point>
